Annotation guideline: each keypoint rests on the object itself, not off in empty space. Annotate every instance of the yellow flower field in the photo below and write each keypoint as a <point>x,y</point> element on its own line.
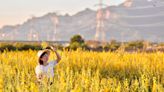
<point>84,71</point>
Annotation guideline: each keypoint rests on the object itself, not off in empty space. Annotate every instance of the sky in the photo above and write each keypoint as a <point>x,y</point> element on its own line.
<point>13,12</point>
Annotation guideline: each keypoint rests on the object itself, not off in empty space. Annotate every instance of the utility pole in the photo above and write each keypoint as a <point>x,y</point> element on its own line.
<point>55,21</point>
<point>128,3</point>
<point>100,22</point>
<point>3,36</point>
<point>33,35</point>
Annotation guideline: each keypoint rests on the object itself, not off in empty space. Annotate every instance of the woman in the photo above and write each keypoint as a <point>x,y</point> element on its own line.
<point>45,69</point>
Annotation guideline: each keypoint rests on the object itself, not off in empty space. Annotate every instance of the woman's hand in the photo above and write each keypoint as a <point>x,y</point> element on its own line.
<point>53,48</point>
<point>57,54</point>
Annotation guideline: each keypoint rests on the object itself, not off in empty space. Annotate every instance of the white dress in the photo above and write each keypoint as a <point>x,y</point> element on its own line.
<point>47,70</point>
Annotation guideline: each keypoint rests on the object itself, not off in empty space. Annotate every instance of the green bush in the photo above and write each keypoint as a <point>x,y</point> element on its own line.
<point>32,47</point>
<point>7,47</point>
<point>75,45</point>
<point>134,45</point>
<point>18,46</point>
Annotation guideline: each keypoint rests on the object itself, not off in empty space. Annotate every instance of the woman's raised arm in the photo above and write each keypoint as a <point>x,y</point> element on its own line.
<point>57,54</point>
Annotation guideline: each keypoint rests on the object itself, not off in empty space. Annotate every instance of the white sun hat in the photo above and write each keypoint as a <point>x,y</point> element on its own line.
<point>40,52</point>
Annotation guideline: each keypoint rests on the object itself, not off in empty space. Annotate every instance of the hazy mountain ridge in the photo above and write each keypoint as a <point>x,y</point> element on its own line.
<point>140,21</point>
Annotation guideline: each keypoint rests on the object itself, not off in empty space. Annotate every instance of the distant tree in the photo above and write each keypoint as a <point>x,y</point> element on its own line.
<point>78,39</point>
<point>77,42</point>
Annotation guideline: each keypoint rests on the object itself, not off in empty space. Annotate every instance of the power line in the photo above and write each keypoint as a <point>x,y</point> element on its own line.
<point>154,4</point>
<point>145,25</point>
<point>141,16</point>
<point>145,7</point>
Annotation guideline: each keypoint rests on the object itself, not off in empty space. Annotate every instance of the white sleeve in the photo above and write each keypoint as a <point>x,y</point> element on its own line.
<point>53,63</point>
<point>38,70</point>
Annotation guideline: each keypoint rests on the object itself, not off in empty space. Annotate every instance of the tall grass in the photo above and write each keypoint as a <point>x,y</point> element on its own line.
<point>84,71</point>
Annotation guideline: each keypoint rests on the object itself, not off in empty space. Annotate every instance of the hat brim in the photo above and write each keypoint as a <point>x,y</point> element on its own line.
<point>45,50</point>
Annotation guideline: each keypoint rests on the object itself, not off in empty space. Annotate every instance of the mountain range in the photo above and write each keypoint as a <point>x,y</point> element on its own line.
<point>133,20</point>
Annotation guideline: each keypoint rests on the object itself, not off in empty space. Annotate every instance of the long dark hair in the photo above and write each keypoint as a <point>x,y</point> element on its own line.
<point>41,61</point>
